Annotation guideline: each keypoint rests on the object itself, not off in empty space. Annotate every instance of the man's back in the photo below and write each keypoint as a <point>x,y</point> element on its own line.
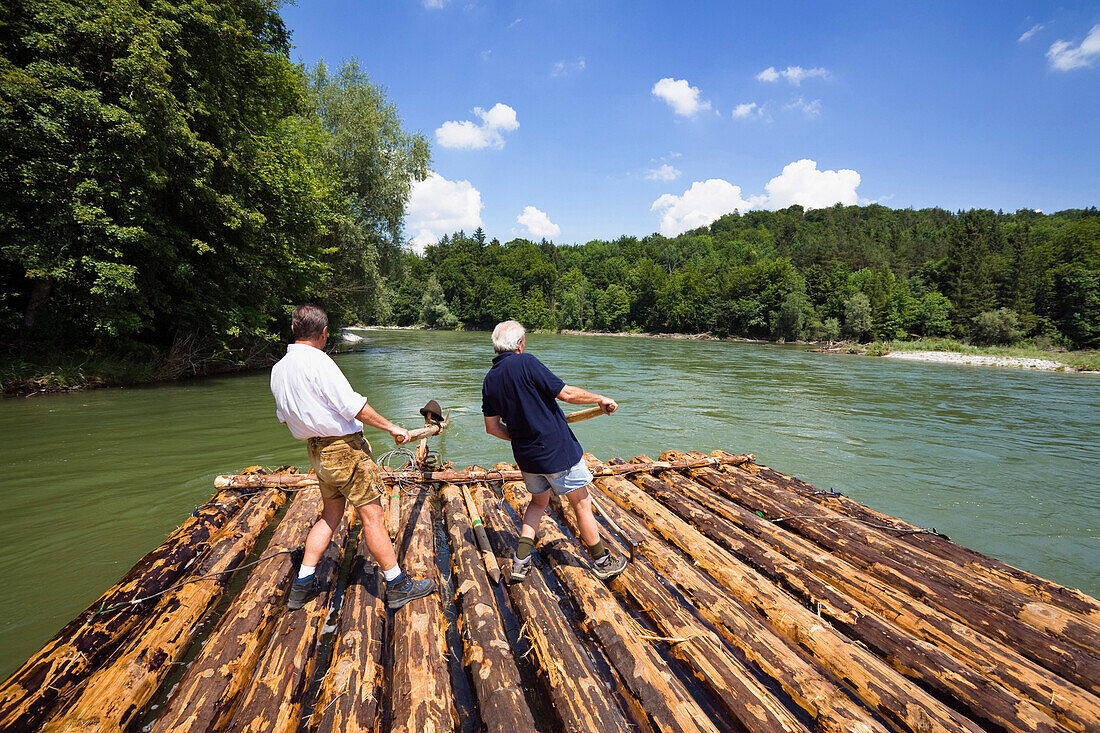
<point>312,395</point>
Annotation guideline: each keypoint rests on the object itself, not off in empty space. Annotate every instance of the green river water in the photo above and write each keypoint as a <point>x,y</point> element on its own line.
<point>1003,460</point>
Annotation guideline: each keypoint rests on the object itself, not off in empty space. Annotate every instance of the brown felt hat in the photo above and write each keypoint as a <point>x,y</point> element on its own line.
<point>432,412</point>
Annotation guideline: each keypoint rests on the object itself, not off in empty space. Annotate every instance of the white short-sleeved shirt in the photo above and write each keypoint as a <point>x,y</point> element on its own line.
<point>312,395</point>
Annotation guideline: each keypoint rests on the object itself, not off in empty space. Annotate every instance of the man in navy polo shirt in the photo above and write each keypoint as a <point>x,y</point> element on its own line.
<point>519,402</point>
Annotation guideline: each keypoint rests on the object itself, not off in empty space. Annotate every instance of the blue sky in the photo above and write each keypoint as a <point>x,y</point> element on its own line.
<point>591,120</point>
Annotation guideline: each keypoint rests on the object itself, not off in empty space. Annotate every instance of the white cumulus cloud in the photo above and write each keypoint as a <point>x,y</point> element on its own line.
<point>1030,32</point>
<point>474,136</point>
<point>538,224</point>
<point>810,109</point>
<point>747,110</point>
<point>1064,56</point>
<point>681,96</point>
<point>701,204</point>
<point>799,183</point>
<point>438,206</point>
<point>663,172</point>
<point>794,74</point>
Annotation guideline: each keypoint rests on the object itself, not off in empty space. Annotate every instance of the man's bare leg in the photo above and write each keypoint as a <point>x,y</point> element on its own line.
<point>581,501</point>
<point>533,514</point>
<point>372,515</point>
<point>332,512</point>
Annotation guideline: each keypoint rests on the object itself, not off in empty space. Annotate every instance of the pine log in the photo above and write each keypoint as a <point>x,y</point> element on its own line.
<point>486,552</point>
<point>273,699</point>
<point>908,569</point>
<point>647,675</point>
<point>972,561</point>
<point>875,683</point>
<point>1071,705</point>
<point>205,697</point>
<point>832,710</point>
<point>29,694</point>
<point>116,695</point>
<point>246,481</point>
<point>487,653</point>
<point>982,700</point>
<point>696,644</point>
<point>580,696</point>
<point>421,694</point>
<point>348,700</point>
<point>393,512</point>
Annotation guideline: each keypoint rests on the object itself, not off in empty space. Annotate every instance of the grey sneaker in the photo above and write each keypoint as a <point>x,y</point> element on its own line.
<point>301,591</point>
<point>404,589</point>
<point>610,567</point>
<point>520,570</point>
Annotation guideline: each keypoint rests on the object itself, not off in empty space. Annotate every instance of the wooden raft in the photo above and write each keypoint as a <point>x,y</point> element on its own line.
<point>756,603</point>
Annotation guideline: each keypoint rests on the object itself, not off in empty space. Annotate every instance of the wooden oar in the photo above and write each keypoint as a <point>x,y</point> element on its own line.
<point>428,430</point>
<point>585,414</point>
<point>487,555</point>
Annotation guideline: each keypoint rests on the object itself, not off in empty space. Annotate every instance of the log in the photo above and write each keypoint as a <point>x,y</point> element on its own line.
<point>116,695</point>
<point>1068,703</point>
<point>585,414</point>
<point>647,675</point>
<point>278,689</point>
<point>580,695</point>
<point>352,687</point>
<point>697,645</point>
<point>487,653</point>
<point>478,527</point>
<point>979,698</point>
<point>971,561</point>
<point>910,570</point>
<point>248,481</point>
<point>831,709</point>
<point>421,695</point>
<point>875,683</point>
<point>393,512</point>
<point>53,673</point>
<point>205,697</point>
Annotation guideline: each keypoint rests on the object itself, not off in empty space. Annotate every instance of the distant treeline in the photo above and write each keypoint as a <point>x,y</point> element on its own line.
<point>858,272</point>
<point>171,184</point>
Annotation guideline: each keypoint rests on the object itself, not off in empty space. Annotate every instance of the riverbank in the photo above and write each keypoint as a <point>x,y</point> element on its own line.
<point>949,351</point>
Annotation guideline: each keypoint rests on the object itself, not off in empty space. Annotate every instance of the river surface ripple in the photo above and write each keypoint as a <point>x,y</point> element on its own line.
<point>1004,461</point>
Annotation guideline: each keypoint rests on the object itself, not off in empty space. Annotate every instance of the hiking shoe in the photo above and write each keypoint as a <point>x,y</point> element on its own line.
<point>610,567</point>
<point>520,570</point>
<point>302,591</point>
<point>404,589</point>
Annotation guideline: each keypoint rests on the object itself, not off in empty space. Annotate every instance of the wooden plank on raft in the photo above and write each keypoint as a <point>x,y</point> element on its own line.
<point>896,563</point>
<point>348,700</point>
<point>487,653</point>
<point>877,685</point>
<point>830,707</point>
<point>581,698</point>
<point>273,700</point>
<point>972,561</point>
<point>696,644</point>
<point>421,693</point>
<point>980,698</point>
<point>52,673</point>
<point>647,675</point>
<point>116,695</point>
<point>206,696</point>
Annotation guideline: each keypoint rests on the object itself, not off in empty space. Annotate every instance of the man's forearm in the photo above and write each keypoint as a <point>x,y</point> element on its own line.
<point>369,416</point>
<point>578,396</point>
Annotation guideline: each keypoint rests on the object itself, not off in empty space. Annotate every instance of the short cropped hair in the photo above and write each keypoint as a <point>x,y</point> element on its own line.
<point>307,322</point>
<point>507,335</point>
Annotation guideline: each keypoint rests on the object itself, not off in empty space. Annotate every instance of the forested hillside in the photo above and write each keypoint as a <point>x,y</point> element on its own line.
<point>171,184</point>
<point>859,272</point>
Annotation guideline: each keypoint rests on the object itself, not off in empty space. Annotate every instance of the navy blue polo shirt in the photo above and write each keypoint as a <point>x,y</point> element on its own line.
<point>522,392</point>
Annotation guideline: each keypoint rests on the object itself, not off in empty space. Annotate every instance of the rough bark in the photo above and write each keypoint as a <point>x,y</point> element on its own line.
<point>487,653</point>
<point>29,694</point>
<point>277,690</point>
<point>393,512</point>
<point>116,695</point>
<point>980,698</point>
<point>205,697</point>
<point>876,684</point>
<point>421,694</point>
<point>647,675</point>
<point>923,576</point>
<point>348,700</point>
<point>581,697</point>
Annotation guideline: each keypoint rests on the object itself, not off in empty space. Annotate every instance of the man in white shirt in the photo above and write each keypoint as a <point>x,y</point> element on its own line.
<point>314,399</point>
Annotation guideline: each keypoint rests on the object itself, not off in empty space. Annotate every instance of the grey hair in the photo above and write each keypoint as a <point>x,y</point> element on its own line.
<point>507,335</point>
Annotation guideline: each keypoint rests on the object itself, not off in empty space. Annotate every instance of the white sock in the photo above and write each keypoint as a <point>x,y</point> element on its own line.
<point>305,571</point>
<point>392,574</point>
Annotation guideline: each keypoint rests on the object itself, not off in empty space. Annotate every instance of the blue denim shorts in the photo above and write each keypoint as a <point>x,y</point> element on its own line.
<point>561,482</point>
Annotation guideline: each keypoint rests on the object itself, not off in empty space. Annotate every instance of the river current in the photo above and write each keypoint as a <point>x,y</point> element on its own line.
<point>1002,460</point>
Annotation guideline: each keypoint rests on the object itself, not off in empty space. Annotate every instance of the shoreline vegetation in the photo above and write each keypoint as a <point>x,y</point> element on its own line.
<point>25,378</point>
